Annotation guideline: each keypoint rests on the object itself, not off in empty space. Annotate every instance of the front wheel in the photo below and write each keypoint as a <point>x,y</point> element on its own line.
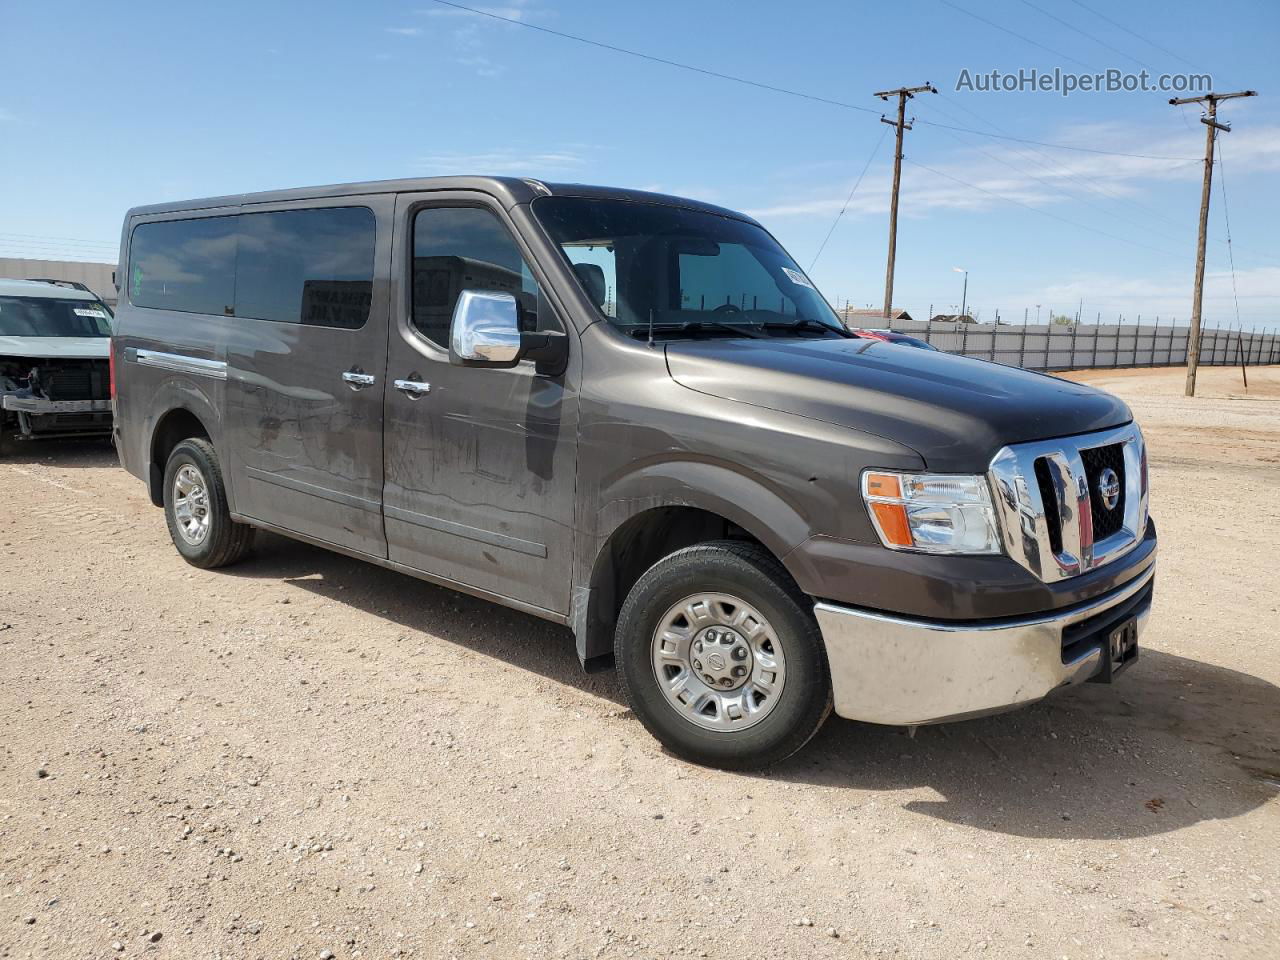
<point>721,657</point>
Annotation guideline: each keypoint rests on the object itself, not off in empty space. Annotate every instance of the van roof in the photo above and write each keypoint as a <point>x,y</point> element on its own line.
<point>510,191</point>
<point>38,288</point>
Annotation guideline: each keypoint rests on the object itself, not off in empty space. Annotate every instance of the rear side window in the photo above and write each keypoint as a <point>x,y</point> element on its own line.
<point>306,266</point>
<point>186,265</point>
<point>311,266</point>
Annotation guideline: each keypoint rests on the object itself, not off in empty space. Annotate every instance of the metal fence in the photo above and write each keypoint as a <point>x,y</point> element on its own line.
<point>1079,346</point>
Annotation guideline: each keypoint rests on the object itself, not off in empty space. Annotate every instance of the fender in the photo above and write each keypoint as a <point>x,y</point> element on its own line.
<point>722,489</point>
<point>715,489</point>
<point>175,394</point>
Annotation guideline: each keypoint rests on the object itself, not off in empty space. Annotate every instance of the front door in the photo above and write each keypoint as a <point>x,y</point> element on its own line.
<point>305,361</point>
<point>480,463</point>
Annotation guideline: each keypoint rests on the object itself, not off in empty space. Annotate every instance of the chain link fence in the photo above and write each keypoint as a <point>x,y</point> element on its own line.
<point>1081,346</point>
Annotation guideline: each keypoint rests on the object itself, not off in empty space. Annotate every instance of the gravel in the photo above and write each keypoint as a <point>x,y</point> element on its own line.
<point>447,782</point>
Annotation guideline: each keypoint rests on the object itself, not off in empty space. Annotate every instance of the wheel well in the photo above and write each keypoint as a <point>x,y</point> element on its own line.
<point>633,548</point>
<point>174,427</point>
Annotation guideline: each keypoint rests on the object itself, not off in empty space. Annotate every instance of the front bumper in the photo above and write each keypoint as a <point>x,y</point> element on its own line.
<point>898,670</point>
<point>41,406</point>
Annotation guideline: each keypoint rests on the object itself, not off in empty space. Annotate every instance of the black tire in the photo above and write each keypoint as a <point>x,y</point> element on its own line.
<point>225,541</point>
<point>749,572</point>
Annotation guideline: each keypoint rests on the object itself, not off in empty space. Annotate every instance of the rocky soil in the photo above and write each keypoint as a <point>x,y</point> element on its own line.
<point>304,756</point>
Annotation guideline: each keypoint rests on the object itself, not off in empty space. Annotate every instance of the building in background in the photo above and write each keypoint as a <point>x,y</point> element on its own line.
<point>860,317</point>
<point>98,277</point>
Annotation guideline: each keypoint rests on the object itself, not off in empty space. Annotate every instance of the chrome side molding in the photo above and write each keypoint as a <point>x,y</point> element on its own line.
<point>1055,540</point>
<point>178,363</point>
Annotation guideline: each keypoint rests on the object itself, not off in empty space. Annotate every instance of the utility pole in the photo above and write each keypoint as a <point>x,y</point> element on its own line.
<point>1210,120</point>
<point>903,94</point>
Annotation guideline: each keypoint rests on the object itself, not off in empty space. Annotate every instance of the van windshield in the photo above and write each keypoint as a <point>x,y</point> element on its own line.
<point>50,317</point>
<point>683,271</point>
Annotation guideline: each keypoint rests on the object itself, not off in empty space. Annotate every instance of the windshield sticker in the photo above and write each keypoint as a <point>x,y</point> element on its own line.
<point>89,313</point>
<point>796,277</point>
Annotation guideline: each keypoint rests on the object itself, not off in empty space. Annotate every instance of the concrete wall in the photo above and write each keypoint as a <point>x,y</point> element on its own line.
<point>96,276</point>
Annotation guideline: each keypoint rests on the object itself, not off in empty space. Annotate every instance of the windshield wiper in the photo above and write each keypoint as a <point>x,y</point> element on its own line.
<point>693,326</point>
<point>806,323</point>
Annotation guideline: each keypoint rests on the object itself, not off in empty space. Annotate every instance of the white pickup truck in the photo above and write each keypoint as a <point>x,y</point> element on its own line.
<point>55,343</point>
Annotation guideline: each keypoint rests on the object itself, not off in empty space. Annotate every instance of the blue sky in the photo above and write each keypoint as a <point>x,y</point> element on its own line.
<point>105,106</point>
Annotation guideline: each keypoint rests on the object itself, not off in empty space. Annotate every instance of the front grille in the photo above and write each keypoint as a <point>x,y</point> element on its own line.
<point>1096,460</point>
<point>72,380</point>
<point>1053,518</point>
<point>1052,521</point>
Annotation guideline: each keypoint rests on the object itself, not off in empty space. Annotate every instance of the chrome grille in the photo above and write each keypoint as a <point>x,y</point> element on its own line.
<point>1097,460</point>
<point>1052,516</point>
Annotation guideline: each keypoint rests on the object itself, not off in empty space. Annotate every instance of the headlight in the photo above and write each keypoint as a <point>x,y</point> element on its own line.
<point>931,512</point>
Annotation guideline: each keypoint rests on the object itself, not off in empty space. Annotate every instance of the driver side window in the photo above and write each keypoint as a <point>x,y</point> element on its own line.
<point>468,248</point>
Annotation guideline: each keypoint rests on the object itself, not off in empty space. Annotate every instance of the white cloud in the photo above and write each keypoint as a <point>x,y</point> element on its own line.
<point>470,36</point>
<point>482,66</point>
<point>514,11</point>
<point>503,161</point>
<point>1035,177</point>
<point>405,31</point>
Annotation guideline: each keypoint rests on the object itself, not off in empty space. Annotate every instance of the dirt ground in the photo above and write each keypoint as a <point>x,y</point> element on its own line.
<point>304,756</point>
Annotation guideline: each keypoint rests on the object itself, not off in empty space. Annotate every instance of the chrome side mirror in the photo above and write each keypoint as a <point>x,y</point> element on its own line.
<point>485,329</point>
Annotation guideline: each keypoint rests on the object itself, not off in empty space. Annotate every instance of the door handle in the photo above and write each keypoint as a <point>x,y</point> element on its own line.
<point>413,389</point>
<point>358,380</point>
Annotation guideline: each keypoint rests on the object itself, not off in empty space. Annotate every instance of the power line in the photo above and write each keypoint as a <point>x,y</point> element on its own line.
<point>1226,216</point>
<point>848,199</point>
<point>1002,29</point>
<point>1088,184</point>
<point>1056,146</point>
<point>783,90</point>
<point>1146,40</point>
<point>1055,168</point>
<point>39,236</point>
<point>47,248</point>
<point>655,59</point>
<point>1087,36</point>
<point>1057,188</point>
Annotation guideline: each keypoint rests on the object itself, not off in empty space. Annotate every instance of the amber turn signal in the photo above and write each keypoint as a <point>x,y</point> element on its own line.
<point>892,520</point>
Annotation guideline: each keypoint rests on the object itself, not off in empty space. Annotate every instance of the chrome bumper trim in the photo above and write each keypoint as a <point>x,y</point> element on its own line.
<point>888,669</point>
<point>39,405</point>
<point>179,363</point>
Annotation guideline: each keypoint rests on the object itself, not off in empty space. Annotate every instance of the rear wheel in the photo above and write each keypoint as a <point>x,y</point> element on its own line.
<point>195,508</point>
<point>721,657</point>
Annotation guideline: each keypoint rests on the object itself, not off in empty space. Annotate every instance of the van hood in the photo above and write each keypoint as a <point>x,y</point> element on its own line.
<point>955,412</point>
<point>61,348</point>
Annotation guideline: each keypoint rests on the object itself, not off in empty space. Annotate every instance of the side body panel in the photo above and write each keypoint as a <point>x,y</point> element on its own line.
<point>304,445</point>
<point>147,392</point>
<point>480,470</point>
<point>648,443</point>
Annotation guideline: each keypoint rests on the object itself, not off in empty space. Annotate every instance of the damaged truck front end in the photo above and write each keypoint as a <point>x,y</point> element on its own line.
<point>54,368</point>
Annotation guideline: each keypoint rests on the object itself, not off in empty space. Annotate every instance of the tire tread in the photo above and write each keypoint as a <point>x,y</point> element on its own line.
<point>691,561</point>
<point>230,540</point>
